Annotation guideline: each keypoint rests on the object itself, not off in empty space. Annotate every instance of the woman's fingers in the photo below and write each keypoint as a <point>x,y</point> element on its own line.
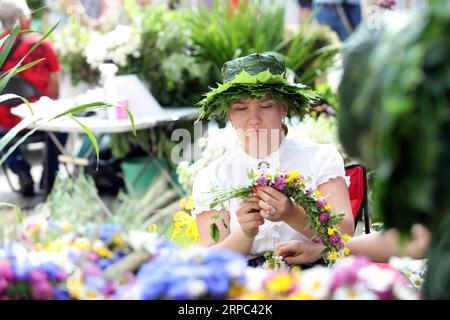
<point>266,206</point>
<point>287,249</point>
<point>251,216</point>
<point>270,192</point>
<point>298,259</point>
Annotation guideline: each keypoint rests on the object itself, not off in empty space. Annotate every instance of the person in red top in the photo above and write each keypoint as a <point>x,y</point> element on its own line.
<point>43,77</point>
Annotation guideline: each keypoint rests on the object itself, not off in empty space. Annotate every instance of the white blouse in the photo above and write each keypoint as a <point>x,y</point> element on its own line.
<point>320,162</point>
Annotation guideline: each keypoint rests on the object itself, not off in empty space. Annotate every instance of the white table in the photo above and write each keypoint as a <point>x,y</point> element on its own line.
<point>101,126</point>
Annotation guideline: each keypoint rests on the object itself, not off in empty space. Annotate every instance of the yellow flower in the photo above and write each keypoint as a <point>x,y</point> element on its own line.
<point>236,291</point>
<point>34,229</point>
<point>281,283</point>
<point>317,193</point>
<point>153,227</point>
<point>332,255</point>
<point>91,295</point>
<point>292,175</point>
<point>66,228</point>
<point>328,207</point>
<point>104,252</point>
<point>180,215</point>
<point>38,246</point>
<point>190,204</point>
<point>268,176</point>
<point>346,252</point>
<point>187,203</point>
<point>81,244</point>
<point>346,237</point>
<point>117,240</point>
<point>259,295</point>
<point>54,246</point>
<point>331,231</point>
<point>179,224</point>
<point>74,286</point>
<point>300,295</point>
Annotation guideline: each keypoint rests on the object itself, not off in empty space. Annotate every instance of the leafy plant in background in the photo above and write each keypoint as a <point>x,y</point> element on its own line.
<point>166,64</point>
<point>397,118</point>
<point>258,26</point>
<point>71,42</point>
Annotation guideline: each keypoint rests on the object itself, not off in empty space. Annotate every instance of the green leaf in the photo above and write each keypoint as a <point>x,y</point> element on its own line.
<point>214,232</point>
<point>224,223</point>
<point>91,137</point>
<point>9,41</point>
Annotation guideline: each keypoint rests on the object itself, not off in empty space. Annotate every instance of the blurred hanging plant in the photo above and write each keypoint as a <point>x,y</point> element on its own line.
<point>395,115</point>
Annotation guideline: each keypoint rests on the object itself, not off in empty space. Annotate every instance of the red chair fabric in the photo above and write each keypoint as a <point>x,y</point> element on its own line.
<point>358,193</point>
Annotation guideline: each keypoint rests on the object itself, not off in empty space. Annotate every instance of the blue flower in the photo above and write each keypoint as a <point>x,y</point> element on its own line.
<point>179,291</point>
<point>95,282</point>
<point>61,293</point>
<point>104,263</point>
<point>153,289</point>
<point>51,269</point>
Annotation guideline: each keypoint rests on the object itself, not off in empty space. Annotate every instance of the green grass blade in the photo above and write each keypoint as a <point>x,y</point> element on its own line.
<point>9,42</point>
<point>91,137</point>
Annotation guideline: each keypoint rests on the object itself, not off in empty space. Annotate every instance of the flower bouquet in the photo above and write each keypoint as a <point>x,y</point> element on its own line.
<point>319,212</point>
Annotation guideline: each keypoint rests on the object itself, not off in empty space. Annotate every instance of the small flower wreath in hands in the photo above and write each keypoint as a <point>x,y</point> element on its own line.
<point>319,213</point>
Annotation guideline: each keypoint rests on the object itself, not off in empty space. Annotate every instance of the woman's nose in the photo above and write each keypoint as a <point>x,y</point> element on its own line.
<point>253,116</point>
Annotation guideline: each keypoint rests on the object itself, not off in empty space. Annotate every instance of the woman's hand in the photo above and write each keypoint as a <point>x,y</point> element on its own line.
<point>275,206</point>
<point>249,217</point>
<point>299,251</point>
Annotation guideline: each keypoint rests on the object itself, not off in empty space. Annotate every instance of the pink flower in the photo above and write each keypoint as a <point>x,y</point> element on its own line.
<point>42,291</point>
<point>61,276</point>
<point>91,271</point>
<point>262,181</point>
<point>37,276</point>
<point>280,184</point>
<point>321,203</point>
<point>3,285</point>
<point>334,239</point>
<point>5,271</point>
<point>324,217</point>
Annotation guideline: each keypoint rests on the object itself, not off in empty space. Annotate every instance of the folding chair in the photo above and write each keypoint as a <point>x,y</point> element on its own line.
<point>358,193</point>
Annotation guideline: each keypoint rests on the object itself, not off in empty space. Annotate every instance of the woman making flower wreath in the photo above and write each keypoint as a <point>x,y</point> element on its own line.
<point>256,98</point>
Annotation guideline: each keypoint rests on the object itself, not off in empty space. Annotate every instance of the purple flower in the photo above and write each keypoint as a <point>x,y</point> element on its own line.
<point>104,263</point>
<point>262,181</point>
<point>280,184</point>
<point>324,217</point>
<point>321,203</point>
<point>309,192</point>
<point>3,285</point>
<point>42,291</point>
<point>5,271</point>
<point>37,277</point>
<point>347,274</point>
<point>334,239</point>
<point>61,294</point>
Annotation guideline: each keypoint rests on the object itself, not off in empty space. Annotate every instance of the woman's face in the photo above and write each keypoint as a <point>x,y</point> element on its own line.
<point>258,124</point>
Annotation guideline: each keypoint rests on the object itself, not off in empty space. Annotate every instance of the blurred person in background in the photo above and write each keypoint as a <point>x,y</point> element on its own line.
<point>343,16</point>
<point>43,77</point>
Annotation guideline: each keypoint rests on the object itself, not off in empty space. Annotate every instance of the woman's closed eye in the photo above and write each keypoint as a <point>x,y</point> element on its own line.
<point>265,106</point>
<point>240,108</point>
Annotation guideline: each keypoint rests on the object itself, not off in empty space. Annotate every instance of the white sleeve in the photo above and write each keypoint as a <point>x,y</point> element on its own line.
<point>202,191</point>
<point>330,165</point>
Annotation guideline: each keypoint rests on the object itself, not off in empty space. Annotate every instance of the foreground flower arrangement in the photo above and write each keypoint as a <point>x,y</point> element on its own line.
<point>58,261</point>
<point>319,212</point>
